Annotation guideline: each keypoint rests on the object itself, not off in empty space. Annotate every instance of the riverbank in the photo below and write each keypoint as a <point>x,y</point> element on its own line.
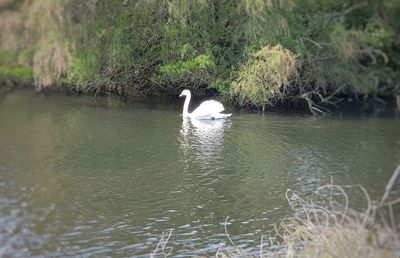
<point>348,107</point>
<point>255,54</point>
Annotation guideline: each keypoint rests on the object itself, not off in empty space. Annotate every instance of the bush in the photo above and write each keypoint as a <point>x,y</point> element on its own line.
<point>379,35</point>
<point>195,71</point>
<point>266,77</point>
<point>84,67</point>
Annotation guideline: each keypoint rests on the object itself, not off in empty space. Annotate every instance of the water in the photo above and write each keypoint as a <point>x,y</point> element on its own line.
<point>79,179</point>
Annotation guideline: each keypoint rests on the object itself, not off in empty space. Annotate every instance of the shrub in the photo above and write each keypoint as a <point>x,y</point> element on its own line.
<point>266,77</point>
<point>84,67</point>
<point>379,35</point>
<point>198,66</point>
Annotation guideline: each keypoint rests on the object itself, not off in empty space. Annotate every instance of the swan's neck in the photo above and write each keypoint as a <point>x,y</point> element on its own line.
<point>186,106</point>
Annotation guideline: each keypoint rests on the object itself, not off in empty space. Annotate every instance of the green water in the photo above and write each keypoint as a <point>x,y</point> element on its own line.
<point>80,179</point>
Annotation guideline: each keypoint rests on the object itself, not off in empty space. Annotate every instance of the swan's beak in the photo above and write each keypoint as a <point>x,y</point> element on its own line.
<point>181,95</point>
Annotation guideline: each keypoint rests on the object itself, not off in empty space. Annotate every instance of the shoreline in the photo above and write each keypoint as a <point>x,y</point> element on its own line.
<point>387,105</point>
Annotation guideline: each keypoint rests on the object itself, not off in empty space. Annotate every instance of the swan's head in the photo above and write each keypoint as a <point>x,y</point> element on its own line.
<point>185,93</point>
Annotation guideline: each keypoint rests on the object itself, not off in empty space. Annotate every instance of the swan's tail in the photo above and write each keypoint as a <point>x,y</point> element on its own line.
<point>221,116</point>
<point>213,116</point>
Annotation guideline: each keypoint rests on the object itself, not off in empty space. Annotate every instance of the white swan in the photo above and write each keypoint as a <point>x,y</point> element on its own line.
<point>209,109</point>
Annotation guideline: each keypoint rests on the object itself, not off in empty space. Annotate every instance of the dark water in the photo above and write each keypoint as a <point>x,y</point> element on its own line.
<point>78,179</point>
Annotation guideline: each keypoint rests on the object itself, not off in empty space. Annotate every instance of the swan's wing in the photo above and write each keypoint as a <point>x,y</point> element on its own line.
<point>208,108</point>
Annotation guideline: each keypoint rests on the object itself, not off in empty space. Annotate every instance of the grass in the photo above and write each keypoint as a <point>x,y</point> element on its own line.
<point>326,225</point>
<point>16,73</point>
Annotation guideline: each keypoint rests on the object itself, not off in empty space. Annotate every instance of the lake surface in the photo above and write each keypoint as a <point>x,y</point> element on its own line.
<point>80,179</point>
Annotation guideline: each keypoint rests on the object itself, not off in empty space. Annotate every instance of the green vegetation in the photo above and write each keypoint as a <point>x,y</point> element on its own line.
<point>10,70</point>
<point>16,73</point>
<point>266,77</point>
<point>256,53</point>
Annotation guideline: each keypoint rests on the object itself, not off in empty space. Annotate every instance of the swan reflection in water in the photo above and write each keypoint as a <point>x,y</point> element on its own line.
<point>202,141</point>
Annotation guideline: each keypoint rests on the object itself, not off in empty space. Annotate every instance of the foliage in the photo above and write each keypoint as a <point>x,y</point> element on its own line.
<point>379,35</point>
<point>83,67</point>
<point>141,47</point>
<point>10,70</point>
<point>16,73</point>
<point>265,78</point>
<point>198,68</point>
